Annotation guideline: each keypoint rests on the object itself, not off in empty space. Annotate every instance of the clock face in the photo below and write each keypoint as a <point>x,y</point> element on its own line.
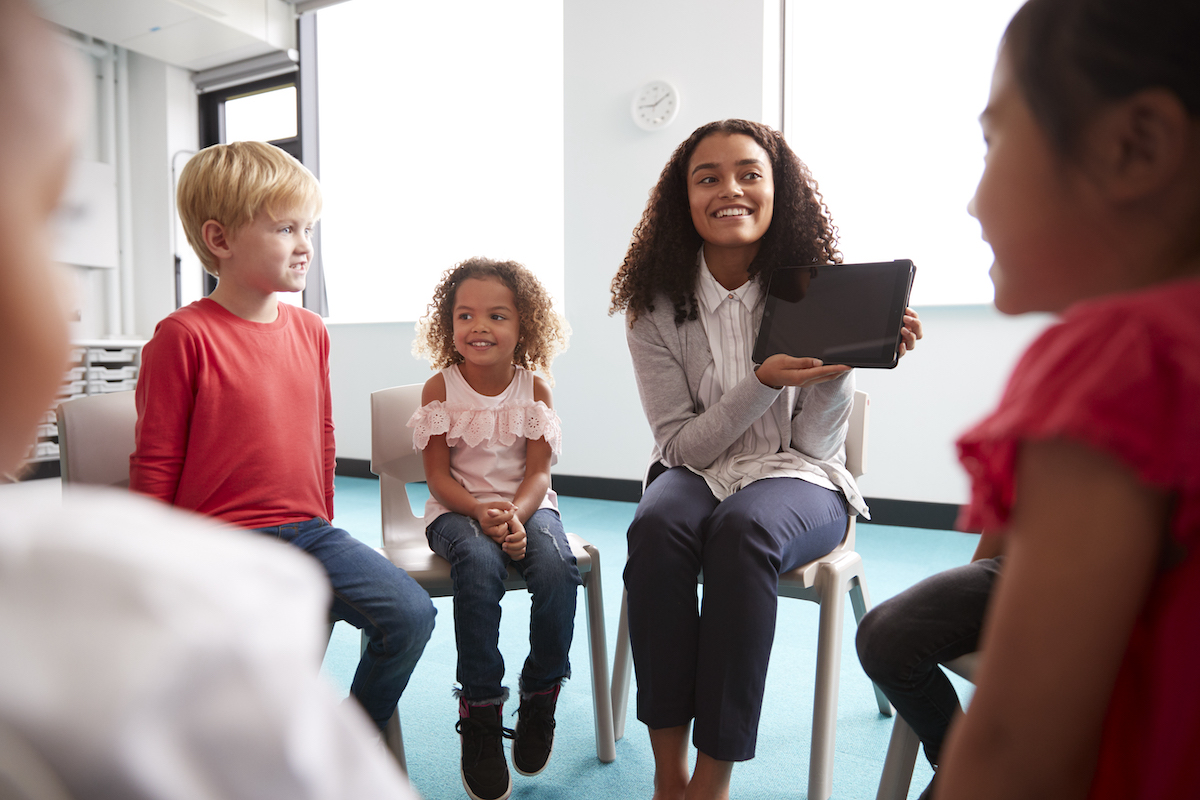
<point>655,105</point>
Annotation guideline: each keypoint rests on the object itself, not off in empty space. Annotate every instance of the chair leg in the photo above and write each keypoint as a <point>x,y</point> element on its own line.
<point>860,600</point>
<point>606,749</point>
<point>898,766</point>
<point>622,670</point>
<point>825,695</point>
<point>393,737</point>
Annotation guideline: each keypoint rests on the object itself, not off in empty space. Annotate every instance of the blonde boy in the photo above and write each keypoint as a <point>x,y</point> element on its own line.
<point>233,400</point>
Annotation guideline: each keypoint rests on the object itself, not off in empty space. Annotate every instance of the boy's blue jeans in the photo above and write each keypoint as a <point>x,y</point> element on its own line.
<point>378,598</point>
<point>478,568</point>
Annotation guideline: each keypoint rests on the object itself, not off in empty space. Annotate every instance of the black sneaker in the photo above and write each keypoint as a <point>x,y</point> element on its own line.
<point>484,770</point>
<point>534,738</point>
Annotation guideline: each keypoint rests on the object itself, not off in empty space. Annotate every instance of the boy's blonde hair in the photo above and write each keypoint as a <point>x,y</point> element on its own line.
<point>231,183</point>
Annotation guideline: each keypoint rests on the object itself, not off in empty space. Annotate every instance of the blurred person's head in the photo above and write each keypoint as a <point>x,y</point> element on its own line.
<point>38,96</point>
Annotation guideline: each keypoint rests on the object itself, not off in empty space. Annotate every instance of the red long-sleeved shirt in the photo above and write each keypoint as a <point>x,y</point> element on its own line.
<point>234,417</point>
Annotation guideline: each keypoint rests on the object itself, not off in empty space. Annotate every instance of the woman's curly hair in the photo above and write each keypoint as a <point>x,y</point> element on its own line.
<point>543,332</point>
<point>662,256</point>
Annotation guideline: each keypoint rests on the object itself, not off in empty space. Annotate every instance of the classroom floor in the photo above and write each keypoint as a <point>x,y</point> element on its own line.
<point>895,558</point>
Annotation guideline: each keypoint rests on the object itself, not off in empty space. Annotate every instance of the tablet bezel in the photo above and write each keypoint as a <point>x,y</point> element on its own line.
<point>901,278</point>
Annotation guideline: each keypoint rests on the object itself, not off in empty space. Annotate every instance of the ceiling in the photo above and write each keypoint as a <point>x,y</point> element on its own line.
<point>195,34</point>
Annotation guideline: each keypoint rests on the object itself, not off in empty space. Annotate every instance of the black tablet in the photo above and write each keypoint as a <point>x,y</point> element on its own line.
<point>842,313</point>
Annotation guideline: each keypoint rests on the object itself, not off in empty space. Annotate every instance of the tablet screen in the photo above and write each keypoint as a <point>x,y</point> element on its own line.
<point>841,313</point>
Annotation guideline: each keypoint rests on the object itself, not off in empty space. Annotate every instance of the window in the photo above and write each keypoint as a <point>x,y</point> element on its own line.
<point>882,103</point>
<point>441,139</point>
<point>266,116</point>
<point>264,110</point>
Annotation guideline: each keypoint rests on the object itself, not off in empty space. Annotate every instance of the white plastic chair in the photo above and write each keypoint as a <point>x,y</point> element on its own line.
<point>95,438</point>
<point>904,744</point>
<point>825,581</point>
<point>397,464</point>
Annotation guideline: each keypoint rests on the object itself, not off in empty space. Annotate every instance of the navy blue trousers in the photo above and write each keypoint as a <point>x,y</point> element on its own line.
<point>708,661</point>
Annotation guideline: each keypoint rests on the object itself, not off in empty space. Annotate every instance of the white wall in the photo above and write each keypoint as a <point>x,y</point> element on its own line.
<point>713,52</point>
<point>953,377</point>
<point>163,119</point>
<point>363,358</point>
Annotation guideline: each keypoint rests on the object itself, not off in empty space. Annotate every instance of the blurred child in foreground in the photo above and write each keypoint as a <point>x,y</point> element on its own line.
<point>148,653</point>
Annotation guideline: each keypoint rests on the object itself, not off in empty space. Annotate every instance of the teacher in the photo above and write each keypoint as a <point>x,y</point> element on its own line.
<point>748,476</point>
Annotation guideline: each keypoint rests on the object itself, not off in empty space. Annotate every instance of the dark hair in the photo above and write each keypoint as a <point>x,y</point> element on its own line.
<point>662,256</point>
<point>543,333</point>
<point>1069,56</point>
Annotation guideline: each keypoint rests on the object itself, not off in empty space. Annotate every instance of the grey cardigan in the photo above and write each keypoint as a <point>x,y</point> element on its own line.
<point>668,362</point>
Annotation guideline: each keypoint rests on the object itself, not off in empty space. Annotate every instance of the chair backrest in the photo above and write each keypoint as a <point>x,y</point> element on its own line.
<point>856,455</point>
<point>397,463</point>
<point>856,436</point>
<point>96,438</point>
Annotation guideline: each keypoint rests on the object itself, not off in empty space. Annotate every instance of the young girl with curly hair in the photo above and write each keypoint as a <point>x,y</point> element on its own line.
<point>748,475</point>
<point>489,435</point>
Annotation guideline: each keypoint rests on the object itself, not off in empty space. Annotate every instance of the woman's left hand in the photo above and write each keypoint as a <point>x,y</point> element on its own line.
<point>910,332</point>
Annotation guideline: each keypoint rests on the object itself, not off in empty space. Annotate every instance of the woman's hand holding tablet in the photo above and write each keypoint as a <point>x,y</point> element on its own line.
<point>783,370</point>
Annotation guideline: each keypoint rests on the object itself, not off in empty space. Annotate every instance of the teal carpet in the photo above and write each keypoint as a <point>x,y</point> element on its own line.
<point>895,559</point>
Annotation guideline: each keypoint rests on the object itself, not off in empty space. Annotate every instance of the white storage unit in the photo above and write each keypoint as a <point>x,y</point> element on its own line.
<point>98,366</point>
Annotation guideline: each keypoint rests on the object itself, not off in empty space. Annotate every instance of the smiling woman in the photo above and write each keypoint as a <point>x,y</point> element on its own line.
<point>748,478</point>
<point>731,194</point>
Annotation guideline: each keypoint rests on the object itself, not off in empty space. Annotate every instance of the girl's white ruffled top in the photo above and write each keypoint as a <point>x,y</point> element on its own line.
<point>487,436</point>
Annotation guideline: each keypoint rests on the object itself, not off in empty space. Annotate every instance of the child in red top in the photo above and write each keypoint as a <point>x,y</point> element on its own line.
<point>234,417</point>
<point>1090,467</point>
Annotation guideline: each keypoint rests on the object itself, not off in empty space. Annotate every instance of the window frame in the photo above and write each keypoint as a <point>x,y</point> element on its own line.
<point>212,110</point>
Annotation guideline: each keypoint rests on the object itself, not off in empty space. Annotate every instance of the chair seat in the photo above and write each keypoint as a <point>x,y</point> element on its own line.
<point>801,582</point>
<point>433,572</point>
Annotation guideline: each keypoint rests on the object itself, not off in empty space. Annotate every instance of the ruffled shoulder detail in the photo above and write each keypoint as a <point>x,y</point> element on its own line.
<point>432,419</point>
<point>1119,378</point>
<point>475,426</point>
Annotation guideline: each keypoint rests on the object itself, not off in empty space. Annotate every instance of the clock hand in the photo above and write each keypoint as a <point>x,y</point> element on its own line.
<point>655,103</point>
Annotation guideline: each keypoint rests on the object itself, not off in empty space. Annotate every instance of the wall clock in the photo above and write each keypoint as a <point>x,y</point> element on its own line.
<point>655,105</point>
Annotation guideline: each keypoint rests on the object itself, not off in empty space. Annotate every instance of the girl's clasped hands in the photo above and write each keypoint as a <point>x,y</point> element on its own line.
<point>499,522</point>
